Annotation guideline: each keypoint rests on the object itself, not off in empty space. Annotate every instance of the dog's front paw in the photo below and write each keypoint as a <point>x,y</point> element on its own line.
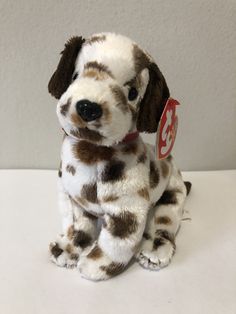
<point>156,254</point>
<point>63,254</point>
<point>96,265</point>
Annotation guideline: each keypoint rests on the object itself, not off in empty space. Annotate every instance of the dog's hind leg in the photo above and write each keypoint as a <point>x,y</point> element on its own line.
<point>158,244</point>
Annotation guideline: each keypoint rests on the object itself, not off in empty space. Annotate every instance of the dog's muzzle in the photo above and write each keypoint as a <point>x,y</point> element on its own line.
<point>88,110</point>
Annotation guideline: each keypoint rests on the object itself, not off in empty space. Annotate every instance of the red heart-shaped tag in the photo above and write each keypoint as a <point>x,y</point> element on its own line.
<point>167,129</point>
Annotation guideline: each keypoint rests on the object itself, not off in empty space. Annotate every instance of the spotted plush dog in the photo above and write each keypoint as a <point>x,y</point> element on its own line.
<point>109,90</point>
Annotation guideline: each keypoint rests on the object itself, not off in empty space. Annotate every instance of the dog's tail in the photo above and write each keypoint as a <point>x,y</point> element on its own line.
<point>188,186</point>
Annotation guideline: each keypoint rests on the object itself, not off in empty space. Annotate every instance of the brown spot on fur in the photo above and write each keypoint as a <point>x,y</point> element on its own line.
<point>110,198</point>
<point>158,242</point>
<point>89,215</point>
<point>146,236</point>
<point>142,158</point>
<point>164,220</point>
<point>188,186</point>
<point>85,133</point>
<point>71,169</point>
<point>168,197</point>
<point>164,169</point>
<point>130,148</point>
<point>90,135</point>
<point>153,175</point>
<point>64,108</point>
<point>120,98</point>
<point>89,192</point>
<point>144,193</point>
<point>69,248</point>
<point>113,171</point>
<point>99,67</point>
<point>74,256</point>
<point>77,121</point>
<point>95,39</point>
<point>141,59</point>
<point>162,236</point>
<point>95,253</point>
<point>82,239</point>
<point>122,225</point>
<point>56,250</point>
<point>61,78</point>
<point>97,75</point>
<point>90,153</point>
<point>113,268</point>
<point>70,232</point>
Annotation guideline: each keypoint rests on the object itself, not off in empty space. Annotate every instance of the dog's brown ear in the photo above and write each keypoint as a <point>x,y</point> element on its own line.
<point>62,77</point>
<point>153,102</point>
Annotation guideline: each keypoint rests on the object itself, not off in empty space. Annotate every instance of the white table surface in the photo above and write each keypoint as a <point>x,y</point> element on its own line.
<point>200,279</point>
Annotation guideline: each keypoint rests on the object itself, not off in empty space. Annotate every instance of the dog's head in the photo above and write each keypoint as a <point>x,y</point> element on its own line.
<point>107,87</point>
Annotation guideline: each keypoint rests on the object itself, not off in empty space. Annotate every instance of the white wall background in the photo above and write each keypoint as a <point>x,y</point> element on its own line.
<point>194,43</point>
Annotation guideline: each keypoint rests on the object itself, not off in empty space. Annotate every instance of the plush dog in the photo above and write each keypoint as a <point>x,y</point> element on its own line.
<point>109,90</point>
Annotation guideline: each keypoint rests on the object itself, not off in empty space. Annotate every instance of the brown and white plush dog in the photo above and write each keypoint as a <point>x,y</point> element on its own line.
<point>109,90</point>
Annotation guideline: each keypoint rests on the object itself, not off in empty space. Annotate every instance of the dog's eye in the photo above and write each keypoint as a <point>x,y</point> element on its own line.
<point>133,93</point>
<point>75,76</point>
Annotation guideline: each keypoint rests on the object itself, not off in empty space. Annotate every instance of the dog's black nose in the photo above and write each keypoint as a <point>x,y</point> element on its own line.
<point>88,110</point>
